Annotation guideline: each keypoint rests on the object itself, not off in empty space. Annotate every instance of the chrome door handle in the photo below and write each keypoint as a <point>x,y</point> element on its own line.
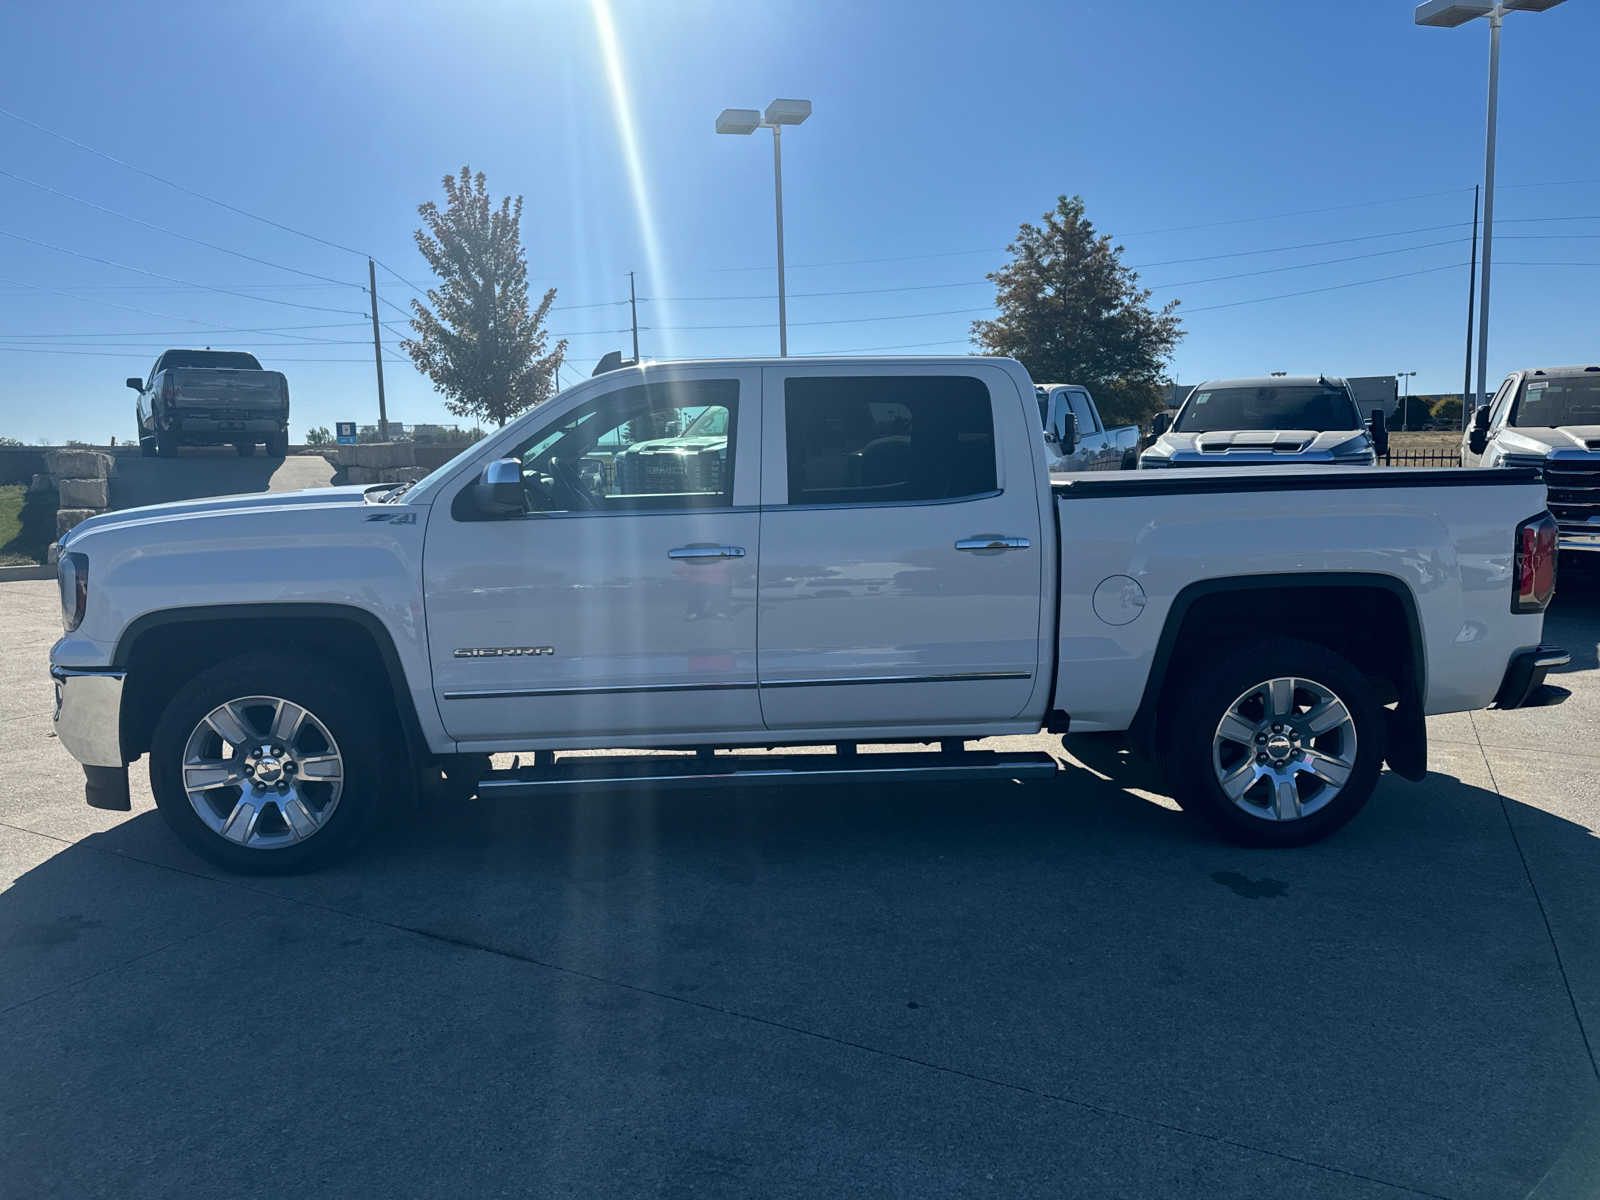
<point>996,542</point>
<point>693,552</point>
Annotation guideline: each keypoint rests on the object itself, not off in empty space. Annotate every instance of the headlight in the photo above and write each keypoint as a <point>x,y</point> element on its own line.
<point>72,575</point>
<point>1522,460</point>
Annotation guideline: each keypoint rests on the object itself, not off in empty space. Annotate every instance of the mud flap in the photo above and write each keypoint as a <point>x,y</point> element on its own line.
<point>107,787</point>
<point>1406,740</point>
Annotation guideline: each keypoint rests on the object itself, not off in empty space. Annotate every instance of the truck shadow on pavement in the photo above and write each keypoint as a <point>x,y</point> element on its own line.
<point>195,473</point>
<point>731,992</point>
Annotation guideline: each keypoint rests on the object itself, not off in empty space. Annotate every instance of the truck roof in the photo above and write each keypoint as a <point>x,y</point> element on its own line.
<point>820,360</point>
<point>1274,381</point>
<point>1563,372</point>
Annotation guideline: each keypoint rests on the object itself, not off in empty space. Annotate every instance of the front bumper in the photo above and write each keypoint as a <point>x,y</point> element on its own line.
<point>88,716</point>
<point>1525,675</point>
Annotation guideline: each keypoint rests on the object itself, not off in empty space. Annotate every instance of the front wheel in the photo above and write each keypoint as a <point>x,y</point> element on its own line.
<point>1279,744</point>
<point>268,766</point>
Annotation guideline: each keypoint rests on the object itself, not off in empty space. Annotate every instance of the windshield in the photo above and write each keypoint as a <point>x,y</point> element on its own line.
<point>1547,403</point>
<point>233,360</point>
<point>1294,406</point>
<point>712,422</point>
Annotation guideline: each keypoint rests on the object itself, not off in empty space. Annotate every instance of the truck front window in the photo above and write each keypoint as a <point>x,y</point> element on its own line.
<point>1549,403</point>
<point>1294,407</point>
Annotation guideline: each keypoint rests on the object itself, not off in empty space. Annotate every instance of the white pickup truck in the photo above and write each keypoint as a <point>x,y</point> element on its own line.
<point>1549,418</point>
<point>885,559</point>
<point>1075,437</point>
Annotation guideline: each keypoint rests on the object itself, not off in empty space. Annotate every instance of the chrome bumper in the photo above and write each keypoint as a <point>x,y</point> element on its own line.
<point>88,716</point>
<point>1578,539</point>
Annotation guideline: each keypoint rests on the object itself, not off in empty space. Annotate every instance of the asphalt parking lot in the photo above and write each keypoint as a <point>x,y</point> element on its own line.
<point>1058,990</point>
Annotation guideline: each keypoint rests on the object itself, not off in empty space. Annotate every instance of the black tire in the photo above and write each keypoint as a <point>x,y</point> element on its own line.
<point>336,703</point>
<point>147,446</point>
<point>277,445</point>
<point>245,449</point>
<point>167,443</point>
<point>1193,720</point>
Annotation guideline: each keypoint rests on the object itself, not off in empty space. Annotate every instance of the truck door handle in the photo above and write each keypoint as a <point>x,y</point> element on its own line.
<point>993,542</point>
<point>697,552</point>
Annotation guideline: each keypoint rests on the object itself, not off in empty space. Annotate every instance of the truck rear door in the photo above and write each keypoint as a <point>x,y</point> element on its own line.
<point>901,547</point>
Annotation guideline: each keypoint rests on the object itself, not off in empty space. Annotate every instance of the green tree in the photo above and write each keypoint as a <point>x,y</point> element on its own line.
<point>318,436</point>
<point>480,342</point>
<point>1446,410</point>
<point>1072,313</point>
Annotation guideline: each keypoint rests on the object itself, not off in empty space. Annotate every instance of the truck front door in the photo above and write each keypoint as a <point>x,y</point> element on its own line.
<point>901,552</point>
<point>623,601</point>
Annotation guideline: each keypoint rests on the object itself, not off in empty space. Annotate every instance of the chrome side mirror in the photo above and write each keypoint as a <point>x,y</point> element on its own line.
<point>498,492</point>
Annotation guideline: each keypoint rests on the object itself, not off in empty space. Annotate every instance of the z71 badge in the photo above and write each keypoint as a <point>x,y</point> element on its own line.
<point>398,518</point>
<point>502,651</point>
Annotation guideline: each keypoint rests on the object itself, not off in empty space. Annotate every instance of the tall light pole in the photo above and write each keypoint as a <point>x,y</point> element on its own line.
<point>1405,400</point>
<point>747,120</point>
<point>1448,14</point>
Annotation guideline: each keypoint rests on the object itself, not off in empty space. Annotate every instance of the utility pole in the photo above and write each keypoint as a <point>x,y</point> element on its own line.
<point>1488,204</point>
<point>377,351</point>
<point>633,308</point>
<point>1467,400</point>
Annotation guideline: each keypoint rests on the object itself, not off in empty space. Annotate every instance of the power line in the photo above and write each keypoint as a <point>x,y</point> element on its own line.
<point>365,362</point>
<point>171,279</point>
<point>1330,288</point>
<point>949,312</point>
<point>173,232</point>
<point>188,191</point>
<point>1326,262</point>
<point>273,329</point>
<point>1301,212</point>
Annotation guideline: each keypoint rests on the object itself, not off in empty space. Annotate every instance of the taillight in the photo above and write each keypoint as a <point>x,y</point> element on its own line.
<point>72,575</point>
<point>168,388</point>
<point>1534,577</point>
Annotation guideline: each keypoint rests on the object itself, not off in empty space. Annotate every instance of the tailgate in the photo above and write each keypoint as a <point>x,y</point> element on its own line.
<point>256,391</point>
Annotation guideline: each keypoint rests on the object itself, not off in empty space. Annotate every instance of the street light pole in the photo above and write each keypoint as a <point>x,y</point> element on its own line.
<point>1405,401</point>
<point>777,191</point>
<point>747,120</point>
<point>1448,14</point>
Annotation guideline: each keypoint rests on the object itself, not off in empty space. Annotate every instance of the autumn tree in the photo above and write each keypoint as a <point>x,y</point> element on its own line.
<point>1070,312</point>
<point>480,342</point>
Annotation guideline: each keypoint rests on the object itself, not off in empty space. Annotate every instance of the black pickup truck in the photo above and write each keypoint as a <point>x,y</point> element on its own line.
<point>211,398</point>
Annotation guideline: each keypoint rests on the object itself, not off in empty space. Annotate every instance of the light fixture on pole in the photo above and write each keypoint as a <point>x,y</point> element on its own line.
<point>747,120</point>
<point>1405,401</point>
<point>1448,14</point>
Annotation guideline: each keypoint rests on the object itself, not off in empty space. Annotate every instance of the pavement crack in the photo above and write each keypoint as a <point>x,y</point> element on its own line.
<point>1533,886</point>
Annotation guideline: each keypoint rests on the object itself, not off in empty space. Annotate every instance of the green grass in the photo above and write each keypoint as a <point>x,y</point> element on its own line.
<point>26,530</point>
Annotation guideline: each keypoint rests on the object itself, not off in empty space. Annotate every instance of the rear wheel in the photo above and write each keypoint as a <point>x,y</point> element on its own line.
<point>268,766</point>
<point>167,443</point>
<point>277,445</point>
<point>245,449</point>
<point>1278,745</point>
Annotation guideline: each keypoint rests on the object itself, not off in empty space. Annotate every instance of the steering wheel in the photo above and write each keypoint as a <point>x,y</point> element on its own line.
<point>571,481</point>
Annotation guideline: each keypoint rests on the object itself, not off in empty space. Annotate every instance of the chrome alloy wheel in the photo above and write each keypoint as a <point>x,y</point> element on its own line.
<point>262,772</point>
<point>1284,749</point>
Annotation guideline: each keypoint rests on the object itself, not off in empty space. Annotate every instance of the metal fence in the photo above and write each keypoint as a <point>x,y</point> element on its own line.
<point>1422,458</point>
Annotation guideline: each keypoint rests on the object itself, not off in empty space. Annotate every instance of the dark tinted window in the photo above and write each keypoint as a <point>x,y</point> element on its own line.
<point>1555,402</point>
<point>233,360</point>
<point>1293,406</point>
<point>660,445</point>
<point>888,439</point>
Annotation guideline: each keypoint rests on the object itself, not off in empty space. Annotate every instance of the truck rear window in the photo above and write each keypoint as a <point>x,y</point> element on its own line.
<point>888,439</point>
<point>216,360</point>
<point>1211,410</point>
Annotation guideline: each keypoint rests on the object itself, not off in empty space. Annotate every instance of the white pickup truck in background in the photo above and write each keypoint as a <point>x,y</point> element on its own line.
<point>1075,437</point>
<point>883,559</point>
<point>1549,418</point>
<point>1269,421</point>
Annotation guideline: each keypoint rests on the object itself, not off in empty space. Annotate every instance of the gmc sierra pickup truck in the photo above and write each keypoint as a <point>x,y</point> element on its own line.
<point>1549,418</point>
<point>1076,439</point>
<point>884,560</point>
<point>211,398</point>
<point>1272,421</point>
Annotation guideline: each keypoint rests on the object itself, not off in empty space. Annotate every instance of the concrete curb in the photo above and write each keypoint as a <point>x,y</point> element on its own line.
<point>10,574</point>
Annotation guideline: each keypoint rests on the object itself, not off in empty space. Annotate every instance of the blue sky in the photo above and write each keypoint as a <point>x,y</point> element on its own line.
<point>1190,130</point>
